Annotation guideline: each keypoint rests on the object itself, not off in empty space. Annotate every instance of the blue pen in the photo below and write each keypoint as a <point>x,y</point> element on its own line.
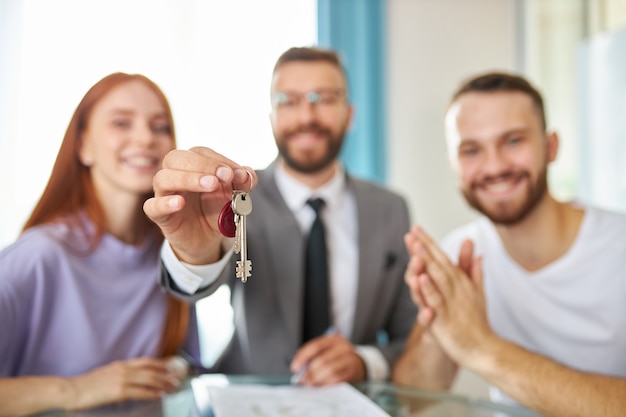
<point>295,378</point>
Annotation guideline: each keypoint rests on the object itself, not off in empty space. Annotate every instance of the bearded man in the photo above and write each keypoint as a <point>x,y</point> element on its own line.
<point>537,303</point>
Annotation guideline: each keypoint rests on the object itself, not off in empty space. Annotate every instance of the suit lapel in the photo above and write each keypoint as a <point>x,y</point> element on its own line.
<point>370,257</point>
<point>285,241</point>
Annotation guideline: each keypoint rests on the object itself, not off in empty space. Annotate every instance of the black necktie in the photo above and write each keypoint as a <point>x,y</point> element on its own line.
<point>316,297</point>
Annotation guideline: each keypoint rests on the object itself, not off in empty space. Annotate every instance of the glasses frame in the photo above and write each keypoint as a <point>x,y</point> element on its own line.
<point>323,97</point>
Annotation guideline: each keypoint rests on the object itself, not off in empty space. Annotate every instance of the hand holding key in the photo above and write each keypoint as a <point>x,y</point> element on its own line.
<point>189,193</point>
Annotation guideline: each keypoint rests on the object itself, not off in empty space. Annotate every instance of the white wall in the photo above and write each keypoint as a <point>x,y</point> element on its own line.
<point>432,46</point>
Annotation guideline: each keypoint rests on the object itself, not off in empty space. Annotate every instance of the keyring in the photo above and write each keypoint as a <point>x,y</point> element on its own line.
<point>251,181</point>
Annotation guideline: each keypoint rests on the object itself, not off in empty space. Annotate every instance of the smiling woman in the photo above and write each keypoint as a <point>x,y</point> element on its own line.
<point>79,286</point>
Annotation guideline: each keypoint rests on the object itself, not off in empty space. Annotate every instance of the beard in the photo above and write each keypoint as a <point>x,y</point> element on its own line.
<point>506,213</point>
<point>309,164</point>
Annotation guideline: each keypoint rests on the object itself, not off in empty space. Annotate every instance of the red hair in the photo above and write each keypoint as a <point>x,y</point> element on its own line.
<point>70,190</point>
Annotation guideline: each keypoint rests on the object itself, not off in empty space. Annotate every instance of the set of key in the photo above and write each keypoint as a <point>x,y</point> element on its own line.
<point>232,223</point>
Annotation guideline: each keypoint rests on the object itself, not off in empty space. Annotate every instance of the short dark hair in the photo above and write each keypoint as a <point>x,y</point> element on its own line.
<point>310,54</point>
<point>502,81</point>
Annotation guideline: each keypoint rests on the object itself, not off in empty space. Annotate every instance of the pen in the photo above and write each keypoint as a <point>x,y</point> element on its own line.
<point>195,368</point>
<point>295,378</point>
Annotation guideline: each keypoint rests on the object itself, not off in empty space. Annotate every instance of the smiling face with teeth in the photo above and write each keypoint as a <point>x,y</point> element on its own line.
<point>309,134</point>
<point>500,151</point>
<point>128,134</point>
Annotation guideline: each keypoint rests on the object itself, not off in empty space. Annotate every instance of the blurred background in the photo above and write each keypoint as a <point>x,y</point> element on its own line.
<point>213,59</point>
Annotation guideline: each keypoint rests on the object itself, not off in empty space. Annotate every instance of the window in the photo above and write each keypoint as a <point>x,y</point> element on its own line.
<point>559,38</point>
<point>213,59</point>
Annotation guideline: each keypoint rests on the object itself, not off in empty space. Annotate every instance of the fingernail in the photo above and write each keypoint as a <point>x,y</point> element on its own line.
<point>241,175</point>
<point>173,202</point>
<point>223,173</point>
<point>295,367</point>
<point>208,181</point>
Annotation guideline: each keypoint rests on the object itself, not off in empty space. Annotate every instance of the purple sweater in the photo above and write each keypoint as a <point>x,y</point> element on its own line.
<point>64,312</point>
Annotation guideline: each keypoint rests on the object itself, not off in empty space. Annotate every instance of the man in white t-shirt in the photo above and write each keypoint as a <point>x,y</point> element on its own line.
<point>537,303</point>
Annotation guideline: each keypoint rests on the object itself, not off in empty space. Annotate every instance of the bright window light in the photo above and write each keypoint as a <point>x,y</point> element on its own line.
<point>213,59</point>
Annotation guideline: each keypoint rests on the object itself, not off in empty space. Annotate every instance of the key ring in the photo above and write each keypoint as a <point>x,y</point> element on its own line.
<point>251,181</point>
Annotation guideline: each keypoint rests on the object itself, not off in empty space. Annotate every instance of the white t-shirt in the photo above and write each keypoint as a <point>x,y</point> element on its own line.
<point>572,310</point>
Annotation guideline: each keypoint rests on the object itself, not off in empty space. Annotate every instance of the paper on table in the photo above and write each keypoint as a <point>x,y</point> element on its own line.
<point>290,401</point>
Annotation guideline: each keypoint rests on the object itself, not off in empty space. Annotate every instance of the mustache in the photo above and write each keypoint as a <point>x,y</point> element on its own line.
<point>505,176</point>
<point>310,128</point>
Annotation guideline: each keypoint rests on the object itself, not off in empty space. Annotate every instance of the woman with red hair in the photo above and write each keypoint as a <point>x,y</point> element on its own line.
<point>83,321</point>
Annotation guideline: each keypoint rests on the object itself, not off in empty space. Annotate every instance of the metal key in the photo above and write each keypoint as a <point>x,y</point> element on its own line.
<point>237,230</point>
<point>242,206</point>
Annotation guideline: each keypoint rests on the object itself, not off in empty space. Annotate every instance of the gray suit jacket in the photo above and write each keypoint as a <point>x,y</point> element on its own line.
<point>268,307</point>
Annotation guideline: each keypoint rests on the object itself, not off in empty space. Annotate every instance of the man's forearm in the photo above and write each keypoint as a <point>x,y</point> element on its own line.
<point>423,364</point>
<point>548,387</point>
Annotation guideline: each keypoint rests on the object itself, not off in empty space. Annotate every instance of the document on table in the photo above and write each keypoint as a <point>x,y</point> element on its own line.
<point>291,401</point>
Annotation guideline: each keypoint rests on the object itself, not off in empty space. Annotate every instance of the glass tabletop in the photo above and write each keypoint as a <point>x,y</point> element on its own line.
<point>193,400</point>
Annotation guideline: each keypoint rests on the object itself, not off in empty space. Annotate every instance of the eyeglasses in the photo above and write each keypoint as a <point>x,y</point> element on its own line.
<point>322,98</point>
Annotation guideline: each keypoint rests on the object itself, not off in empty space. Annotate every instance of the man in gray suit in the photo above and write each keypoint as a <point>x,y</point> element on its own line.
<point>370,309</point>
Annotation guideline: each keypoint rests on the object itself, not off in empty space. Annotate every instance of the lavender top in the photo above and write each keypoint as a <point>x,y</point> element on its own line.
<point>65,312</point>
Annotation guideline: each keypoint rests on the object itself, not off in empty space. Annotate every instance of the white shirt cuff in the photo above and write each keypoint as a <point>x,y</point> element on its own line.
<point>191,277</point>
<point>375,362</point>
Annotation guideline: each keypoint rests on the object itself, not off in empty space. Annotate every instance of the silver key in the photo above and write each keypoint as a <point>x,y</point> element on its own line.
<point>242,206</point>
<point>237,230</point>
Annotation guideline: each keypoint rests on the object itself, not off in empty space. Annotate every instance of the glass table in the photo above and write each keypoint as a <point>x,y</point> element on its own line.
<point>193,400</point>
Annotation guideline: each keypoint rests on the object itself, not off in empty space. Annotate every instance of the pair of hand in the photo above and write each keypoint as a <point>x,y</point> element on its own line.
<point>134,379</point>
<point>328,360</point>
<point>189,193</point>
<point>450,297</point>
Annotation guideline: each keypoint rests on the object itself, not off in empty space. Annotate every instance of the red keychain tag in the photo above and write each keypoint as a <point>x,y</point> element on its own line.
<point>226,221</point>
